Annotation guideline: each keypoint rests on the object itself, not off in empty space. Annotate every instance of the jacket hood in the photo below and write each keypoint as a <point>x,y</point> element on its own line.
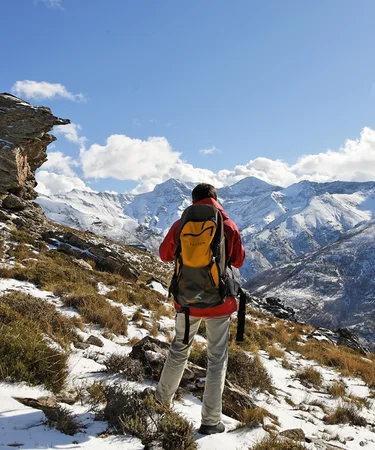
<point>211,201</point>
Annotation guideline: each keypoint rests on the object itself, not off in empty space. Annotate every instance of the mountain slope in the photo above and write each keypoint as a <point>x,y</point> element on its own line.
<point>332,287</point>
<point>277,225</point>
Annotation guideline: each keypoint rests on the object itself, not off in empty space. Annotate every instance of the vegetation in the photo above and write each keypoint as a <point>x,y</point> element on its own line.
<point>25,353</point>
<point>140,415</point>
<point>94,308</point>
<point>276,443</point>
<point>63,420</point>
<point>310,376</point>
<point>58,327</point>
<point>337,389</point>
<point>129,368</point>
<point>345,414</point>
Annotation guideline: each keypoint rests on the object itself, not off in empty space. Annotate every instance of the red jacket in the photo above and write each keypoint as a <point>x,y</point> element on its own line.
<point>236,253</point>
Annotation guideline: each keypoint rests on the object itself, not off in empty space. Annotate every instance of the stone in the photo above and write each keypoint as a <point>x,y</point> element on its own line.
<point>111,259</point>
<point>83,264</point>
<point>38,403</point>
<point>14,203</point>
<point>295,434</point>
<point>81,345</point>
<point>93,340</point>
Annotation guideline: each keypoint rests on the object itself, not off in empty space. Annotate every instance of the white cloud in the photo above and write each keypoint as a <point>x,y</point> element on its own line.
<point>50,183</point>
<point>209,151</point>
<point>39,90</point>
<point>152,161</point>
<point>51,3</point>
<point>125,158</point>
<point>71,133</point>
<point>59,163</point>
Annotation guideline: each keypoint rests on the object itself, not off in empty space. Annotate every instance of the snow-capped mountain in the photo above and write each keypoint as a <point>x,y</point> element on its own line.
<point>277,224</point>
<point>332,287</point>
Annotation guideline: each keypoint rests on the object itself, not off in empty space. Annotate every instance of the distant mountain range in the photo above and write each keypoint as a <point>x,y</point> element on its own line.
<point>310,244</point>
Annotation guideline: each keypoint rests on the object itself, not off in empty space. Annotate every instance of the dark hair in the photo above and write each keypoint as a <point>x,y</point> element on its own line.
<point>203,190</point>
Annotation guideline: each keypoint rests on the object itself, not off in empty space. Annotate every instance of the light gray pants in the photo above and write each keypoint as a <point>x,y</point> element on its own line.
<point>217,354</point>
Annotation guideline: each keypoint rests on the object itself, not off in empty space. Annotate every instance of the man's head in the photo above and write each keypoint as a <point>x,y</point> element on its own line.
<point>203,190</point>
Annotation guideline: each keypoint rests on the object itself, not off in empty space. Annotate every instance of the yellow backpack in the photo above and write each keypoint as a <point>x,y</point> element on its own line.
<point>199,279</point>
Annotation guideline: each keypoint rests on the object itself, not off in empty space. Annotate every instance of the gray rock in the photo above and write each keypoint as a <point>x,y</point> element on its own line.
<point>93,340</point>
<point>13,202</point>
<point>23,142</point>
<point>83,264</point>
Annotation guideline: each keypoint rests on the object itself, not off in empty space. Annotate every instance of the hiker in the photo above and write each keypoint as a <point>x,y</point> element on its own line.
<point>188,319</point>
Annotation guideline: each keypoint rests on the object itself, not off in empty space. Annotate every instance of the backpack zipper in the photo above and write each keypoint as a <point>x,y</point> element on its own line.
<point>196,235</point>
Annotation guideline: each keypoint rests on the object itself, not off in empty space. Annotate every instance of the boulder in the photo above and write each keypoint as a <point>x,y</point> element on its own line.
<point>14,203</point>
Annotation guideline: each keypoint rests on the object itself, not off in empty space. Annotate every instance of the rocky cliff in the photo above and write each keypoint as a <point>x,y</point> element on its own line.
<point>23,142</point>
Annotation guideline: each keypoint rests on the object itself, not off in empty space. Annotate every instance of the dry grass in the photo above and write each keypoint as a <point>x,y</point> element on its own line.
<point>276,443</point>
<point>275,352</point>
<point>264,335</point>
<point>128,368</point>
<point>310,376</point>
<point>345,414</point>
<point>337,389</point>
<point>63,420</point>
<point>252,418</point>
<point>247,372</point>
<point>26,355</point>
<point>139,415</point>
<point>21,252</point>
<point>96,309</point>
<point>58,327</point>
<point>1,249</point>
<point>22,237</point>
<point>347,361</point>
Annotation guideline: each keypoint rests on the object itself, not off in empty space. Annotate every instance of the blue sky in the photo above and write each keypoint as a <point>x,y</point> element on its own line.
<point>244,79</point>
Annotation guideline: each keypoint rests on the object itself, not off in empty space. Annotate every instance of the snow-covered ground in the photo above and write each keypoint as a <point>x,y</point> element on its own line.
<point>24,427</point>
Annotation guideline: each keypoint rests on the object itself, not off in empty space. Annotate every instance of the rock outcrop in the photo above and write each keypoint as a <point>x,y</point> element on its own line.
<point>23,142</point>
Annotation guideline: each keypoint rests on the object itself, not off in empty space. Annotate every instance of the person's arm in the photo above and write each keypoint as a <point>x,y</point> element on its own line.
<point>168,246</point>
<point>235,247</point>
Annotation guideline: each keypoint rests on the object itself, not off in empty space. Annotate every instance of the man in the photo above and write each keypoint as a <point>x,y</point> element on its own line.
<point>217,325</point>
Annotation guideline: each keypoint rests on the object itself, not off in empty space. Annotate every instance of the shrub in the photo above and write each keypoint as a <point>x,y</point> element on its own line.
<point>310,376</point>
<point>96,394</point>
<point>129,368</point>
<point>275,443</point>
<point>253,417</point>
<point>22,236</point>
<point>247,372</point>
<point>63,420</point>
<point>345,414</point>
<point>176,432</point>
<point>337,389</point>
<point>139,415</point>
<point>58,327</point>
<point>25,354</point>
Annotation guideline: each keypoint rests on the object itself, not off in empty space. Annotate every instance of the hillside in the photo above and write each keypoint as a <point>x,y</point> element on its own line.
<point>85,326</point>
<point>93,319</point>
<point>331,287</point>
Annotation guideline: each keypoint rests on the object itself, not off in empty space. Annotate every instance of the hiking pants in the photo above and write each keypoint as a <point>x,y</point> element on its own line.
<point>217,354</point>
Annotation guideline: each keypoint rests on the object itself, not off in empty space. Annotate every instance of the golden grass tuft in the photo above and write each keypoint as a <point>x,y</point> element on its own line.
<point>337,389</point>
<point>26,355</point>
<point>310,376</point>
<point>58,327</point>
<point>96,309</point>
